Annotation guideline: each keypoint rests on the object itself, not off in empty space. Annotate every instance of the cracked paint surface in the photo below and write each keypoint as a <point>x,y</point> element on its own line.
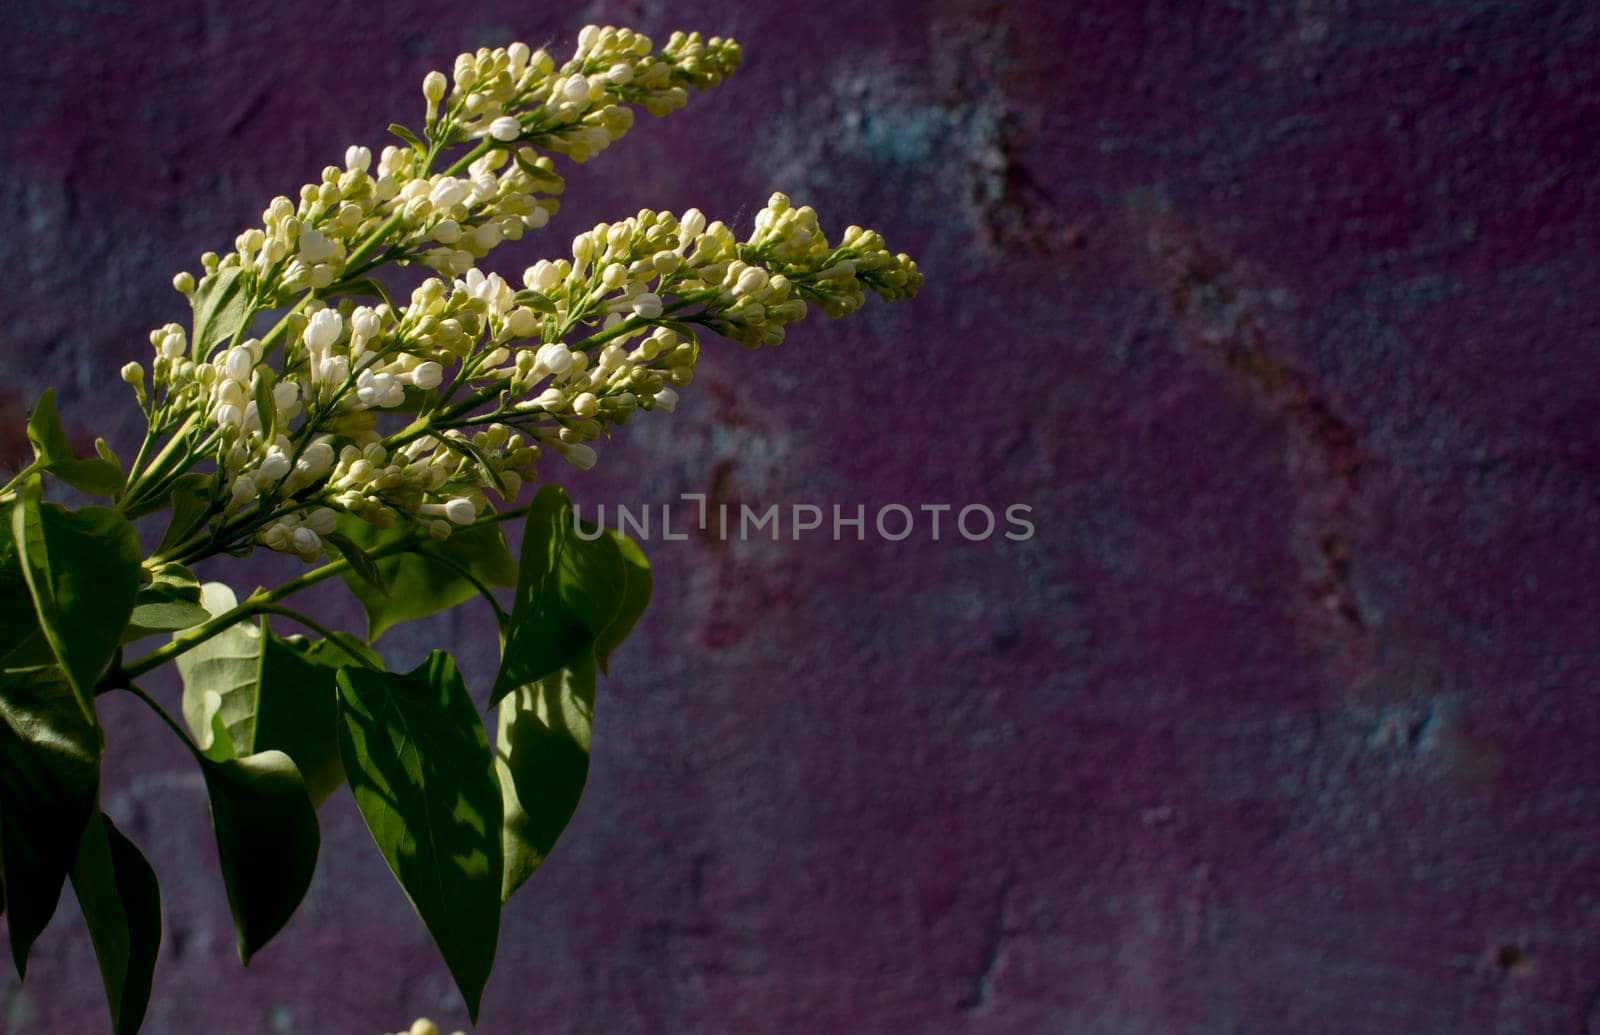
<point>1281,316</point>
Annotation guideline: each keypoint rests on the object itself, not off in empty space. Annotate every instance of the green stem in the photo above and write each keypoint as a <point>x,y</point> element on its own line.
<point>634,323</point>
<point>483,147</point>
<point>139,457</point>
<point>252,605</point>
<point>373,238</point>
<point>21,477</point>
<point>500,615</point>
<point>393,221</point>
<point>166,717</point>
<point>261,600</point>
<point>133,490</point>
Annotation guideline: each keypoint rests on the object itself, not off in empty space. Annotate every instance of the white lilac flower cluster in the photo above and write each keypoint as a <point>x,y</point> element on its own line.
<point>518,103</point>
<point>480,378</point>
<point>516,94</point>
<point>656,264</point>
<point>347,367</point>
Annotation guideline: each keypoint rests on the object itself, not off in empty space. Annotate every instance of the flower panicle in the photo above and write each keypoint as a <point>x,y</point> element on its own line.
<point>421,411</point>
<point>520,108</point>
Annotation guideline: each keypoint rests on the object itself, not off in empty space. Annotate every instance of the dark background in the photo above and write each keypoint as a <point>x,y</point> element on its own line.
<point>1281,316</point>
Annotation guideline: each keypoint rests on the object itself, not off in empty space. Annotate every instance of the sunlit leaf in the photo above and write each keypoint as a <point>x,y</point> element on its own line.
<point>427,580</point>
<point>409,137</point>
<point>100,476</point>
<point>220,305</point>
<point>420,769</point>
<point>228,666</point>
<point>190,498</point>
<point>578,597</point>
<point>542,761</point>
<point>266,692</point>
<point>170,602</point>
<point>569,590</point>
<point>635,599</point>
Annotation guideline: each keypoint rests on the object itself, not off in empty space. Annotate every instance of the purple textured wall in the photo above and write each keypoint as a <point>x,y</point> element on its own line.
<point>1281,316</point>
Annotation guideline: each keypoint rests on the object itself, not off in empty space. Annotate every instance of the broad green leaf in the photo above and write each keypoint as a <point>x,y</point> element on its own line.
<point>423,777</point>
<point>542,761</point>
<point>220,305</point>
<point>569,590</point>
<point>542,741</point>
<point>191,501</point>
<point>121,903</point>
<point>248,690</point>
<point>636,588</point>
<point>169,603</point>
<point>420,584</point>
<point>101,476</point>
<point>49,776</point>
<point>82,570</point>
<point>267,841</point>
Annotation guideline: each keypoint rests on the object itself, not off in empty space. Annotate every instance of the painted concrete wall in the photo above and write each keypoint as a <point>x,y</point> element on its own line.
<point>1282,317</point>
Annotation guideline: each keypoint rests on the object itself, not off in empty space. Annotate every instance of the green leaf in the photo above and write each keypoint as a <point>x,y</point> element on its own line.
<point>360,562</point>
<point>82,570</point>
<point>220,307</point>
<point>98,477</point>
<point>170,602</point>
<point>221,678</point>
<point>103,449</point>
<point>191,503</point>
<point>569,591</point>
<point>636,587</point>
<point>409,137</point>
<point>267,841</point>
<point>423,777</point>
<point>542,762</point>
<point>535,300</point>
<point>49,776</point>
<point>578,597</point>
<point>419,583</point>
<point>248,690</point>
<point>121,903</point>
<point>299,704</point>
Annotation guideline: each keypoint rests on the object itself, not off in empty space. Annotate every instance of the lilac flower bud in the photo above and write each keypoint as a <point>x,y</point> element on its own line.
<point>323,329</point>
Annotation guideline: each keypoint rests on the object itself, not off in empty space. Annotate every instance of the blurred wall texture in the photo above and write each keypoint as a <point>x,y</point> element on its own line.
<point>1280,316</point>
